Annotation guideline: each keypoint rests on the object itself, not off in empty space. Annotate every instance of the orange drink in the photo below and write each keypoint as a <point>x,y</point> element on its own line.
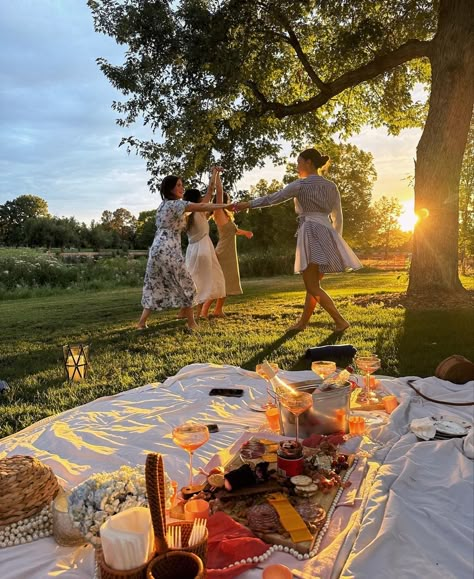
<point>356,425</point>
<point>390,403</point>
<point>273,418</point>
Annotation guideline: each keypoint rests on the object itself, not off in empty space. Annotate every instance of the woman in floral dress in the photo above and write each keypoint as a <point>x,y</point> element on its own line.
<point>320,248</point>
<point>168,283</point>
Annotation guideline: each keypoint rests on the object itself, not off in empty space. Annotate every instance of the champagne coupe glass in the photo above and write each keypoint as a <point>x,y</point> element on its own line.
<point>367,363</point>
<point>323,368</point>
<point>190,436</point>
<point>260,369</point>
<point>297,403</point>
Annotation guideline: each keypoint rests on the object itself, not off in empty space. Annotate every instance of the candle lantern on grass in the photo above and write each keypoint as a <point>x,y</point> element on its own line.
<point>76,362</point>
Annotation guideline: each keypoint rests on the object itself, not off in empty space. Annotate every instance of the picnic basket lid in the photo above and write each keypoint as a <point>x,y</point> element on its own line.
<point>26,486</point>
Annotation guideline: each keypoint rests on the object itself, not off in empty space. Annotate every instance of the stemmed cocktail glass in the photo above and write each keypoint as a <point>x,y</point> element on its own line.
<point>323,368</point>
<point>297,403</point>
<point>260,369</point>
<point>190,436</point>
<point>367,363</point>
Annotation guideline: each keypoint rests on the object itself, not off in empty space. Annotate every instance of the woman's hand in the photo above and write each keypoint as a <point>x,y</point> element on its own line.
<point>242,206</point>
<point>248,234</point>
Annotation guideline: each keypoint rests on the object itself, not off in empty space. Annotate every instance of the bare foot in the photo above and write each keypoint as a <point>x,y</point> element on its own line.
<point>342,328</point>
<point>192,329</point>
<point>142,326</point>
<point>298,327</point>
<point>219,315</point>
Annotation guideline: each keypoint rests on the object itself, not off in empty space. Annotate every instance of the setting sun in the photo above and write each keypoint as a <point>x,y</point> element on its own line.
<point>408,218</point>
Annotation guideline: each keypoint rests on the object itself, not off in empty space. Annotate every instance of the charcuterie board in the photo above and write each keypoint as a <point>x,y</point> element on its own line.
<point>254,506</point>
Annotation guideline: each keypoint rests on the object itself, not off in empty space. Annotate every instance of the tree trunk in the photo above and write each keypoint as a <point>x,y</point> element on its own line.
<point>440,151</point>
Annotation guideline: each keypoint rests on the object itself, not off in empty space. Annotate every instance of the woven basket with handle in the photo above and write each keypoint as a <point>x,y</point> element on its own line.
<point>155,486</point>
<point>26,486</point>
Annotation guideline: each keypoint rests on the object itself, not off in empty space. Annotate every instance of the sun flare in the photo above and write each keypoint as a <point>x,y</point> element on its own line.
<point>408,217</point>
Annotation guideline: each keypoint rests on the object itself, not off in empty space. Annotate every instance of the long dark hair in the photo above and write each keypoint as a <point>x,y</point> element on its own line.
<point>193,196</point>
<point>315,157</point>
<point>167,186</point>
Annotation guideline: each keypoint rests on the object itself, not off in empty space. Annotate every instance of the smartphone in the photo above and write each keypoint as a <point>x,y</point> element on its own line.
<point>234,392</point>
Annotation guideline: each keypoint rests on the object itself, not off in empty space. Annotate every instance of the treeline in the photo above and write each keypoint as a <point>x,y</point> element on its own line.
<point>25,221</point>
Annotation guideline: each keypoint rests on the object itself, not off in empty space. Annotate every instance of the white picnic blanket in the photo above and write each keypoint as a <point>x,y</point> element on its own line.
<point>411,515</point>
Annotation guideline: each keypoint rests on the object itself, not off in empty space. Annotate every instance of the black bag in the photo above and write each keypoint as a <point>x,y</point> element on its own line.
<point>331,353</point>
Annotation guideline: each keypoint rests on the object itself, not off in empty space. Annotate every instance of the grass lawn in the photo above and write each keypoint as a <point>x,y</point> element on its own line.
<point>34,330</point>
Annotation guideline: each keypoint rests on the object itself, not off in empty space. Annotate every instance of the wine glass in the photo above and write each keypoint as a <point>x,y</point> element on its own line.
<point>323,368</point>
<point>367,363</point>
<point>190,436</point>
<point>260,370</point>
<point>296,402</point>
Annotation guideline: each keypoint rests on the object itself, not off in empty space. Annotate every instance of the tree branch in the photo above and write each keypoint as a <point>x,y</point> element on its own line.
<point>380,64</point>
<point>294,42</point>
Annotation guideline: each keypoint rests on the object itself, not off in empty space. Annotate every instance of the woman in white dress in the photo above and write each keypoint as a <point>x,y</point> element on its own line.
<point>201,258</point>
<point>320,248</point>
<point>168,283</point>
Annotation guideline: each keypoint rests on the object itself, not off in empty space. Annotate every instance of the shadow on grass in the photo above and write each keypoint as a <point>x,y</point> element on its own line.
<point>428,337</point>
<point>267,351</point>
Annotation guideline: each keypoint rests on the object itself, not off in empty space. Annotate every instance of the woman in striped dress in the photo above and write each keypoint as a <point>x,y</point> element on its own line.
<point>320,248</point>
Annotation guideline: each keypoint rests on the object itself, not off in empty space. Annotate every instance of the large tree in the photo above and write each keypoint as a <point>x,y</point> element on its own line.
<point>13,214</point>
<point>237,76</point>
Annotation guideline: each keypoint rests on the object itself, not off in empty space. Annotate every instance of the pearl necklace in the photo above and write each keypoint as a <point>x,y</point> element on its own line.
<point>27,530</point>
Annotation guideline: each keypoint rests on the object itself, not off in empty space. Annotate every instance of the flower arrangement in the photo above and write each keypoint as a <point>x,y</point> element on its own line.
<point>104,494</point>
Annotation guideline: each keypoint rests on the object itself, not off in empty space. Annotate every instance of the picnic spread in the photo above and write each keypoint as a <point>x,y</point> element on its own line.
<point>394,499</point>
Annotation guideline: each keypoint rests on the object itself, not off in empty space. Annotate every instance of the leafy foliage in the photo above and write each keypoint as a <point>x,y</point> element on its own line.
<point>234,77</point>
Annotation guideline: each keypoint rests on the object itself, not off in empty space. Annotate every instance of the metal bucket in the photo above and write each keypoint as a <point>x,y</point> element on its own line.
<point>328,414</point>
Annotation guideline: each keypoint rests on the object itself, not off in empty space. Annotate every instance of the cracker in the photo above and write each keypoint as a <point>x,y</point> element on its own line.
<point>301,480</point>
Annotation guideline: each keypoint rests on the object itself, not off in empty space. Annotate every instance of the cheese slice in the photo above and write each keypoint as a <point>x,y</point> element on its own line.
<point>290,518</point>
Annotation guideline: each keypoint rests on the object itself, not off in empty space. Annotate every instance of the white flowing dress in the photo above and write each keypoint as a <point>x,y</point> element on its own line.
<point>202,262</point>
<point>319,236</point>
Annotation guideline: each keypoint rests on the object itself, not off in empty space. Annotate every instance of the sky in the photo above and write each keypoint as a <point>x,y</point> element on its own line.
<point>59,139</point>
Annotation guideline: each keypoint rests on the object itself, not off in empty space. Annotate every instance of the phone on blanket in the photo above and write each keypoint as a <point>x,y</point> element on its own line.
<point>232,392</point>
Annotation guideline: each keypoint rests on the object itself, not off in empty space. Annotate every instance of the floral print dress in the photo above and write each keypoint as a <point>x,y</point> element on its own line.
<point>168,283</point>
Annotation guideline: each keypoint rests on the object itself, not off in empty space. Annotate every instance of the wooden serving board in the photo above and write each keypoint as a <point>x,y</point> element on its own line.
<point>236,504</point>
<point>356,405</point>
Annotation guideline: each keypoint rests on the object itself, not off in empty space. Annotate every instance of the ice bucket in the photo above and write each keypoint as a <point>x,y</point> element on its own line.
<point>328,414</point>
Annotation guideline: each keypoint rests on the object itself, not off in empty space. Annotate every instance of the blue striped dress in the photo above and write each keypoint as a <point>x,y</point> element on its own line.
<point>319,236</point>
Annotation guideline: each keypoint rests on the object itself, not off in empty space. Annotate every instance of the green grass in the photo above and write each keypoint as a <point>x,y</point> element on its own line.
<point>34,330</point>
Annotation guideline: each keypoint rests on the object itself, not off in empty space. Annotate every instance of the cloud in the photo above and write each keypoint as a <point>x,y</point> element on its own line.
<point>60,140</point>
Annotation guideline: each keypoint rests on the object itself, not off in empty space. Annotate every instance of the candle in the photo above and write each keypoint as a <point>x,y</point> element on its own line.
<point>390,403</point>
<point>273,418</point>
<point>75,367</point>
<point>340,416</point>
<point>196,509</point>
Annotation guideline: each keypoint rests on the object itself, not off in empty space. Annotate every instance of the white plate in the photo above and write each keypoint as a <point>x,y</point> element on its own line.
<point>451,426</point>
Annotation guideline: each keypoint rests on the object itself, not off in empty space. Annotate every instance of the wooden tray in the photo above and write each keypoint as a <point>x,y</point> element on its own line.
<point>356,405</point>
<point>235,503</point>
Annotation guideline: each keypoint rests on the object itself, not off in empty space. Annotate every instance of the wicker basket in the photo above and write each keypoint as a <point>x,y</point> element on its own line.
<point>26,486</point>
<point>176,564</point>
<point>107,572</point>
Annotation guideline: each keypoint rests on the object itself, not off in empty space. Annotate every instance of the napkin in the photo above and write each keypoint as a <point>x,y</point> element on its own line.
<point>128,539</point>
<point>228,542</point>
<point>423,428</point>
<point>468,444</point>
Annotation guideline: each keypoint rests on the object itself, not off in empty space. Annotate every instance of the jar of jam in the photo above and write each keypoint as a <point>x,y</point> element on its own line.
<point>290,461</point>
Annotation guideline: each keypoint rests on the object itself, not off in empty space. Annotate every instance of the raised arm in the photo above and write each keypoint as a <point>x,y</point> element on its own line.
<point>210,188</point>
